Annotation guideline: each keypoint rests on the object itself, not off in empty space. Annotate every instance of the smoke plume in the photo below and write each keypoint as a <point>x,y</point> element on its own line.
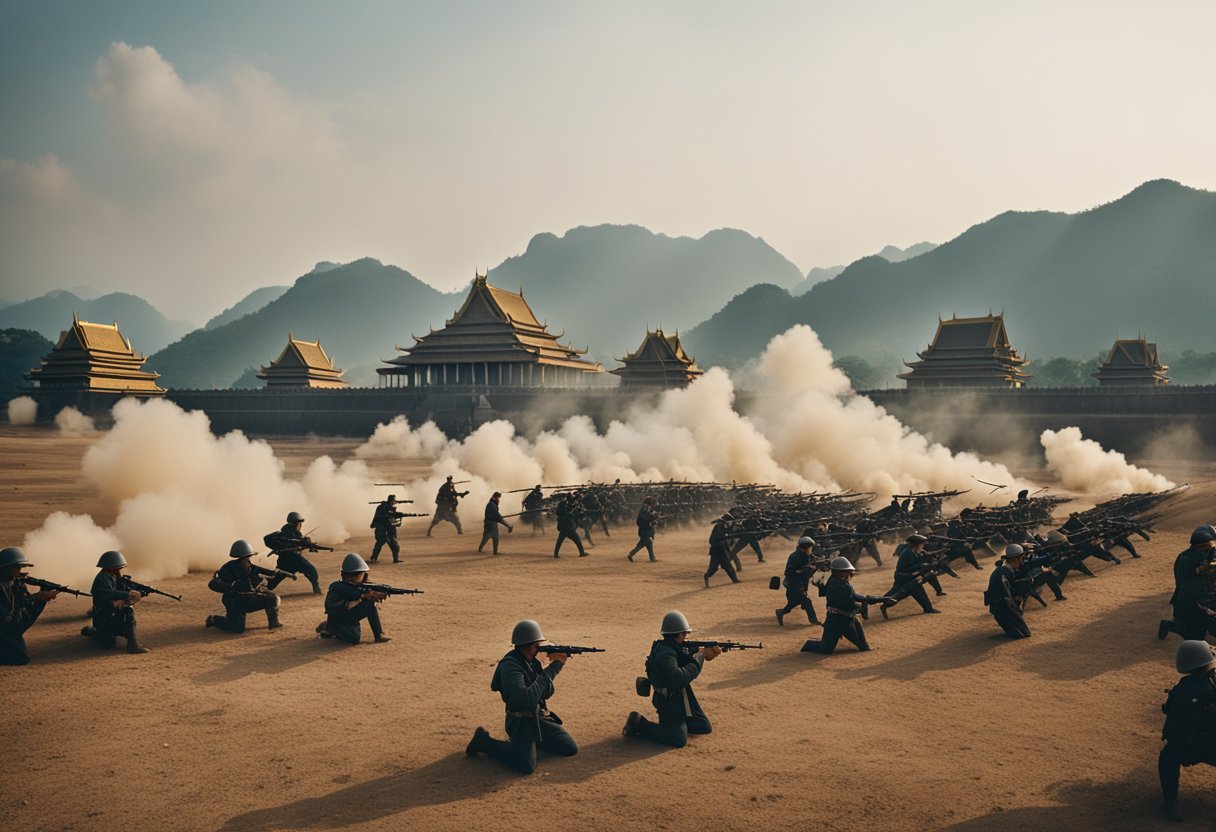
<point>1082,465</point>
<point>22,410</point>
<point>72,422</point>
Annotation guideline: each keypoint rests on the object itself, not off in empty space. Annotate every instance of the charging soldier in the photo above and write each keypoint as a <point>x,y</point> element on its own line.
<point>910,563</point>
<point>385,523</point>
<point>347,603</point>
<point>447,501</point>
<point>1192,619</point>
<point>19,608</point>
<point>798,571</point>
<point>1003,602</point>
<point>113,606</point>
<point>243,590</point>
<point>646,519</point>
<point>288,544</point>
<point>844,611</point>
<point>1190,721</point>
<point>567,525</point>
<point>525,687</point>
<point>671,669</point>
<point>493,519</point>
<point>719,549</point>
<point>533,514</point>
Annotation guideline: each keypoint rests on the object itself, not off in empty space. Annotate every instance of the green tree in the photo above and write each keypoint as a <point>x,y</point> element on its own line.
<point>20,351</point>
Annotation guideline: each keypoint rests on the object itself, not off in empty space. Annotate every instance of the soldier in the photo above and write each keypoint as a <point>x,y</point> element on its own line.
<point>525,686</point>
<point>533,515</point>
<point>844,607</point>
<point>289,543</point>
<point>671,669</point>
<point>113,606</point>
<point>493,520</point>
<point>750,537</point>
<point>960,538</point>
<point>1000,597</point>
<point>646,519</point>
<point>567,526</point>
<point>908,568</point>
<point>447,501</point>
<point>719,549</point>
<point>385,522</point>
<point>798,570</point>
<point>19,608</point>
<point>347,603</point>
<point>867,539</point>
<point>243,590</point>
<point>1190,721</point>
<point>1192,619</point>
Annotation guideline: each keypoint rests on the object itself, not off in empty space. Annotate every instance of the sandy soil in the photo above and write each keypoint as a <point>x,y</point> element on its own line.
<point>945,725</point>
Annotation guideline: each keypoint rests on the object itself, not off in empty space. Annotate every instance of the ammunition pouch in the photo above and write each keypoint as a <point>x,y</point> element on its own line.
<point>642,685</point>
<point>774,582</point>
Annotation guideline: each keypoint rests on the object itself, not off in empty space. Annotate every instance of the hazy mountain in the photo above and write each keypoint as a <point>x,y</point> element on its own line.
<point>605,284</point>
<point>1068,283</point>
<point>359,311</point>
<point>892,254</point>
<point>20,351</point>
<point>252,302</point>
<point>147,329</point>
<point>742,328</point>
<point>895,254</point>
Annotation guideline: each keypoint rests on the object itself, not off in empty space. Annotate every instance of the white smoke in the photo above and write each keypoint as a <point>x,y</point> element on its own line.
<point>22,410</point>
<point>396,440</point>
<point>1082,465</point>
<point>72,422</point>
<point>66,547</point>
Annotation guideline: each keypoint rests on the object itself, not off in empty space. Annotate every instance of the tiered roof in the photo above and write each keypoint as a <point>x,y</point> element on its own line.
<point>1132,361</point>
<point>302,364</point>
<point>95,357</point>
<point>968,352</point>
<point>660,361</point>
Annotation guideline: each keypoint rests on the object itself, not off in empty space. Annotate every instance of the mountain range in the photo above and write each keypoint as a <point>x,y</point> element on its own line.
<point>144,325</point>
<point>892,254</point>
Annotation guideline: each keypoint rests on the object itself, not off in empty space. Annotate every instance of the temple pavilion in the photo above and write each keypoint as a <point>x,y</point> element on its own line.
<point>968,352</point>
<point>493,340</point>
<point>1132,361</point>
<point>659,362</point>
<point>95,358</point>
<point>302,364</point>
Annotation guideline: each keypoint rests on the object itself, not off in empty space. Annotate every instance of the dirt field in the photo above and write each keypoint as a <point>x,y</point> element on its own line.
<point>944,725</point>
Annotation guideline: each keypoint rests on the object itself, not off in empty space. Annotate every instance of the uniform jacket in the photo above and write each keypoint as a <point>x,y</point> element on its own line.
<point>525,687</point>
<point>493,516</point>
<point>1190,710</point>
<point>18,611</point>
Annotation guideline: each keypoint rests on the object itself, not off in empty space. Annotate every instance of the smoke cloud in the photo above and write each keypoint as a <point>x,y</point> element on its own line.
<point>72,422</point>
<point>1082,465</point>
<point>22,410</point>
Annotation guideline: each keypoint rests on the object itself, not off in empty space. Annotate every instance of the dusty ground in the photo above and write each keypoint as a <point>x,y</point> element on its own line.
<point>945,725</point>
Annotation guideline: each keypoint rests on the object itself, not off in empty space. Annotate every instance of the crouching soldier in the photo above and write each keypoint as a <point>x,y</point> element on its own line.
<point>113,605</point>
<point>671,669</point>
<point>1003,601</point>
<point>243,590</point>
<point>19,608</point>
<point>1190,721</point>
<point>525,686</point>
<point>844,609</point>
<point>347,603</point>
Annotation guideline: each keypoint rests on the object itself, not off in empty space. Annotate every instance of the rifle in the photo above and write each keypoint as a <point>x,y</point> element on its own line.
<point>271,573</point>
<point>144,589</point>
<point>378,502</point>
<point>568,649</point>
<point>388,590</point>
<point>694,646</point>
<point>390,483</point>
<point>50,586</point>
<point>304,544</point>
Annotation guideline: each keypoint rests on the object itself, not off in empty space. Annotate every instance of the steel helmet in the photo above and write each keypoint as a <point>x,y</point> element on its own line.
<point>842,564</point>
<point>241,549</point>
<point>12,556</point>
<point>1203,534</point>
<point>1014,550</point>
<point>1193,655</point>
<point>111,560</point>
<point>295,517</point>
<point>353,563</point>
<point>526,632</point>
<point>803,542</point>
<point>914,539</point>
<point>675,623</point>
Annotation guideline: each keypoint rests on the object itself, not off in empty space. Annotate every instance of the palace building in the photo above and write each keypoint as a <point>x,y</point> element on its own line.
<point>494,339</point>
<point>302,364</point>
<point>95,358</point>
<point>659,362</point>
<point>1132,361</point>
<point>968,352</point>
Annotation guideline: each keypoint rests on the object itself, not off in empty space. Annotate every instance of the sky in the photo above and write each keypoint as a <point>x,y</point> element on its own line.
<point>192,152</point>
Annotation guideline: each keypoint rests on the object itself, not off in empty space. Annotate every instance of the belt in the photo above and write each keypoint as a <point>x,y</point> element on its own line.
<point>526,714</point>
<point>834,611</point>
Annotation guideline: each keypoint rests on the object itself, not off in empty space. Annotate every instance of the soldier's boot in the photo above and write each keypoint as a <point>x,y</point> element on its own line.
<point>811,618</point>
<point>478,742</point>
<point>1164,627</point>
<point>1169,810</point>
<point>706,577</point>
<point>272,618</point>
<point>133,645</point>
<point>210,622</point>
<point>322,630</point>
<point>381,638</point>
<point>316,588</point>
<point>780,616</point>
<point>91,632</point>
<point>632,724</point>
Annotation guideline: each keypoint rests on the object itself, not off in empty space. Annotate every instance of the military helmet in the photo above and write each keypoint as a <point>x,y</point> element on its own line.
<point>916,539</point>
<point>12,556</point>
<point>805,541</point>
<point>526,632</point>
<point>1193,655</point>
<point>675,623</point>
<point>495,494</point>
<point>1014,550</point>
<point>726,517</point>
<point>1203,534</point>
<point>1056,537</point>
<point>842,564</point>
<point>353,563</point>
<point>1024,493</point>
<point>241,549</point>
<point>295,517</point>
<point>450,478</point>
<point>391,498</point>
<point>111,560</point>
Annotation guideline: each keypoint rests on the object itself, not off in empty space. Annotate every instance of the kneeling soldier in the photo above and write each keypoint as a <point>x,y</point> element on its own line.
<point>670,669</point>
<point>113,605</point>
<point>1190,721</point>
<point>525,686</point>
<point>844,607</point>
<point>19,608</point>
<point>1002,600</point>
<point>347,603</point>
<point>243,590</point>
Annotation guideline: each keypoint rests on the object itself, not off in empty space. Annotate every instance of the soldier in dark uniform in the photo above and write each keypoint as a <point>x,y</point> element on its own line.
<point>1192,570</point>
<point>646,519</point>
<point>243,590</point>
<point>671,670</point>
<point>908,568</point>
<point>719,549</point>
<point>844,611</point>
<point>750,537</point>
<point>493,519</point>
<point>533,515</point>
<point>1002,601</point>
<point>960,539</point>
<point>385,523</point>
<point>1078,534</point>
<point>113,605</point>
<point>19,608</point>
<point>447,501</point>
<point>347,603</point>
<point>1190,721</point>
<point>867,539</point>
<point>567,525</point>
<point>525,687</point>
<point>289,543</point>
<point>798,571</point>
